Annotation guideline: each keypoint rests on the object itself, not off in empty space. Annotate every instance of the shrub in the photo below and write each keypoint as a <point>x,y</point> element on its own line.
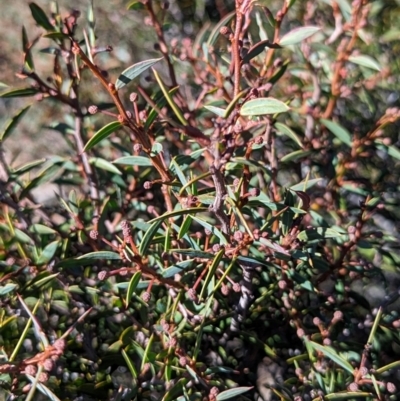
<point>224,223</point>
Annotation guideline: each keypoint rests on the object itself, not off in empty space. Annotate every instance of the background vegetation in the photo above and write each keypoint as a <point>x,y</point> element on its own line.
<point>223,216</point>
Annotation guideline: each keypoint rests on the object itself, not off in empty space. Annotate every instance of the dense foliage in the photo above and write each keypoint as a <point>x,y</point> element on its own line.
<point>225,220</point>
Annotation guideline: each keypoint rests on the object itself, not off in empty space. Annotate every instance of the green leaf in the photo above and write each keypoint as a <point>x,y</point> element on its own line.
<point>133,71</point>
<point>365,61</point>
<point>216,31</point>
<point>7,288</point>
<point>26,48</point>
<point>135,5</point>
<point>13,122</point>
<point>104,165</point>
<point>318,233</point>
<point>48,253</point>
<point>185,226</point>
<point>336,129</point>
<point>216,110</point>
<point>259,48</point>
<point>331,354</point>
<point>56,35</point>
<point>102,134</point>
<point>211,271</point>
<point>107,255</point>
<point>148,236</point>
<point>297,35</point>
<point>44,176</point>
<point>302,186</point>
<point>23,92</point>
<point>134,281</point>
<point>40,17</point>
<point>232,392</point>
<point>27,167</point>
<point>41,229</point>
<point>134,161</point>
<point>390,150</point>
<point>170,100</point>
<point>296,155</point>
<point>285,130</point>
<point>263,105</point>
<point>161,101</point>
<point>214,230</point>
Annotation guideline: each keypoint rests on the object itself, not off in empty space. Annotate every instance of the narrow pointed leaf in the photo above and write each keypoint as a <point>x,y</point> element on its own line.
<point>298,34</point>
<point>216,110</point>
<point>263,105</point>
<point>365,61</point>
<point>26,167</point>
<point>149,235</point>
<point>331,354</point>
<point>133,161</point>
<point>132,287</point>
<point>232,393</point>
<point>107,255</point>
<point>170,100</point>
<point>104,165</point>
<point>336,129</point>
<point>13,122</point>
<point>40,17</point>
<point>133,71</point>
<point>23,92</point>
<point>285,130</point>
<point>102,134</point>
<point>259,48</point>
<point>216,30</point>
<point>48,253</point>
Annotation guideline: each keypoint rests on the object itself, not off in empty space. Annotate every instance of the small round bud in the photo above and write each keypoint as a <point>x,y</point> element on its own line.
<point>93,109</point>
<point>236,182</point>
<point>224,289</point>
<point>172,342</point>
<point>207,232</point>
<point>133,97</point>
<point>147,185</point>
<point>102,275</point>
<point>31,370</point>
<point>60,344</point>
<point>327,341</point>
<point>146,296</point>
<point>48,365</point>
<point>192,294</point>
<point>165,326</point>
<point>43,377</point>
<point>121,118</point>
<point>129,114</point>
<point>214,391</point>
<point>300,333</point>
<point>254,192</point>
<point>338,315</point>
<point>182,361</point>
<point>317,321</point>
<point>236,287</point>
<point>137,147</point>
<point>225,31</point>
<point>258,140</point>
<point>353,386</point>
<point>282,284</point>
<point>238,236</point>
<point>351,229</point>
<point>216,248</point>
<point>391,388</point>
<point>94,234</point>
